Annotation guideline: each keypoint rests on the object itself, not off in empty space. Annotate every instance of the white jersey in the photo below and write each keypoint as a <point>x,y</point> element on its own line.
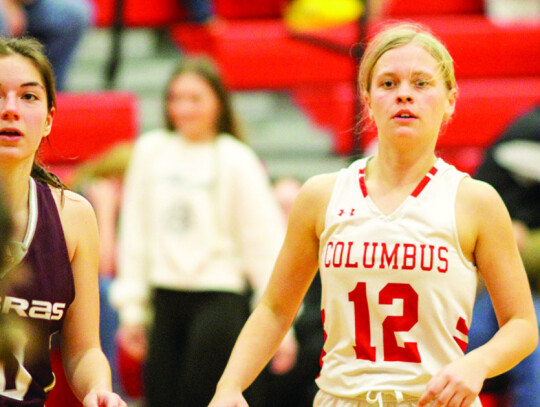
<point>398,292</point>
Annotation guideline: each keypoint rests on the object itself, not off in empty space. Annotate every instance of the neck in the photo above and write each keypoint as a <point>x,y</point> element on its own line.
<point>401,167</point>
<point>15,180</point>
<point>203,137</point>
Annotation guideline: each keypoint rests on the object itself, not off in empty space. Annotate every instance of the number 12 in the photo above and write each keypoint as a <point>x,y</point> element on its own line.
<point>391,324</point>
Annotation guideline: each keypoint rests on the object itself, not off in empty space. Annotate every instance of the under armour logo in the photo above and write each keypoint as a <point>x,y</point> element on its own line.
<point>342,212</point>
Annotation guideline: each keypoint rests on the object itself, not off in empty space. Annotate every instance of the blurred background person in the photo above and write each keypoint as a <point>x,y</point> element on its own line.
<point>199,224</point>
<point>58,24</point>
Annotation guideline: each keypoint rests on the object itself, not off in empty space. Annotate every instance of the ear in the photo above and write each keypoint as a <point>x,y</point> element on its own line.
<point>450,104</point>
<point>49,122</point>
<point>366,101</point>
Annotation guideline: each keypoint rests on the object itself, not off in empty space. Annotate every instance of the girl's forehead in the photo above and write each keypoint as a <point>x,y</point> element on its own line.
<point>408,59</point>
<point>18,69</point>
<point>189,79</point>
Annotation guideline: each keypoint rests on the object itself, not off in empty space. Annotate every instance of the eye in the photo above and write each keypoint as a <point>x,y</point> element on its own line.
<point>387,83</point>
<point>422,83</point>
<point>29,96</point>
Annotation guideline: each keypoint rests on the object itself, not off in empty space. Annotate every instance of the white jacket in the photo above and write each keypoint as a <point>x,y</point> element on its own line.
<point>195,216</point>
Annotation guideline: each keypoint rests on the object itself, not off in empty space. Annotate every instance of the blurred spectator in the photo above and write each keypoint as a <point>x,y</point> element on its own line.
<point>57,24</point>
<point>198,225</point>
<point>512,166</point>
<point>200,11</point>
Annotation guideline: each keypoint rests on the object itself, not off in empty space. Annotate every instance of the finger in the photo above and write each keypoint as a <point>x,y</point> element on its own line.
<point>449,396</point>
<point>468,401</point>
<point>427,398</point>
<point>456,400</point>
<point>433,389</point>
<point>90,401</point>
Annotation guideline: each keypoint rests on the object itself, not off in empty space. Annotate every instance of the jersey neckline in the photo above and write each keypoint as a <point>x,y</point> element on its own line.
<point>414,194</point>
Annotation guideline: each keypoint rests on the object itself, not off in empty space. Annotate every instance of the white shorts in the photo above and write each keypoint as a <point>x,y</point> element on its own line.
<point>371,399</point>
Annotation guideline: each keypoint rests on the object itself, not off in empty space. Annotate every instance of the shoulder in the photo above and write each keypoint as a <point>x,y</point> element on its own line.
<point>317,190</point>
<point>238,148</point>
<point>479,210</point>
<point>320,185</point>
<point>238,155</point>
<point>477,195</point>
<point>70,203</point>
<point>77,217</point>
<point>152,139</point>
<point>314,196</point>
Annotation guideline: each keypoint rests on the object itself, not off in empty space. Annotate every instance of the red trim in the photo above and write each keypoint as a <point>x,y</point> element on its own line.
<point>420,187</point>
<point>424,182</point>
<point>462,326</point>
<point>461,344</point>
<point>362,181</point>
<point>323,352</point>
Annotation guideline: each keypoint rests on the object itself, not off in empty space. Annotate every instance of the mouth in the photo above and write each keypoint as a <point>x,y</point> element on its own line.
<point>10,133</point>
<point>404,114</point>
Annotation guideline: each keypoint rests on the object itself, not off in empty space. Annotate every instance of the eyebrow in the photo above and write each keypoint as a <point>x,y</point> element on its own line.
<point>30,84</point>
<point>413,73</point>
<point>27,85</point>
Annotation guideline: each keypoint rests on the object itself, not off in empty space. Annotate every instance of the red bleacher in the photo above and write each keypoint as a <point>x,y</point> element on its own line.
<point>139,13</point>
<point>264,54</point>
<point>86,125</point>
<point>397,8</point>
<point>142,13</point>
<point>259,54</point>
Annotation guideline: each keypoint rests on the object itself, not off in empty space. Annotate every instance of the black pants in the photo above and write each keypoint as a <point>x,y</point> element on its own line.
<point>190,343</point>
<point>297,387</point>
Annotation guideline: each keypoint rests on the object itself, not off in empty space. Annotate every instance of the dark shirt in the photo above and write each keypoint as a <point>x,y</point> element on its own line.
<point>35,296</point>
<point>521,198</point>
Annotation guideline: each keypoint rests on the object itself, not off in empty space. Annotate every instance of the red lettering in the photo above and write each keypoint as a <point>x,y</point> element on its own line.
<point>442,257</point>
<point>364,259</point>
<point>389,258</point>
<point>348,263</point>
<point>337,263</point>
<point>424,267</point>
<point>326,261</point>
<point>409,255</point>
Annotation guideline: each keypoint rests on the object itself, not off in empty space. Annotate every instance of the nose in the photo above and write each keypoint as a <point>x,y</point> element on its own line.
<point>404,94</point>
<point>9,109</point>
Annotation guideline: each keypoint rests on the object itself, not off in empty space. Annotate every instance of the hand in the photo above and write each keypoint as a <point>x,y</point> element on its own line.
<point>103,399</point>
<point>285,356</point>
<point>132,339</point>
<point>226,398</point>
<point>456,385</point>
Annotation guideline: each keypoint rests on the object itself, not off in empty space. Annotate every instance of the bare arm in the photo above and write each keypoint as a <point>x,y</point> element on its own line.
<point>294,270</point>
<point>86,366</point>
<point>487,238</point>
<point>498,260</point>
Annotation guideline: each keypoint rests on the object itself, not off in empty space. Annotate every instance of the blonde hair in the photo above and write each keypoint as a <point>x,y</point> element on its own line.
<point>397,35</point>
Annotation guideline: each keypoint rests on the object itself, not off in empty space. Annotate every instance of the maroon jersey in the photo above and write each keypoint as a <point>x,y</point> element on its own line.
<point>35,296</point>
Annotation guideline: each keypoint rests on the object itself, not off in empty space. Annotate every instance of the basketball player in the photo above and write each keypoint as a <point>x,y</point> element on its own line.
<point>400,238</point>
<point>50,283</point>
